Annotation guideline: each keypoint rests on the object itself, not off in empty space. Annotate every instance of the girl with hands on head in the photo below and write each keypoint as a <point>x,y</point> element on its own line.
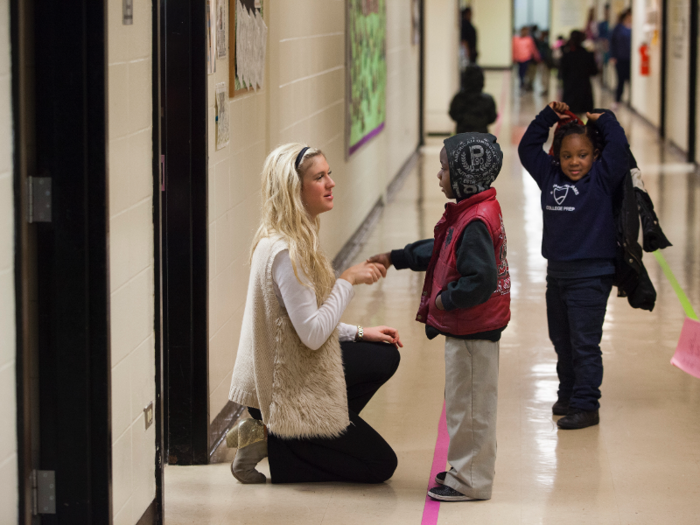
<point>578,183</point>
<point>303,374</point>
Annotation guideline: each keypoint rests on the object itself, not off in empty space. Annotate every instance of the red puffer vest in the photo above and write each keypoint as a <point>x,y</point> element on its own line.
<point>494,313</point>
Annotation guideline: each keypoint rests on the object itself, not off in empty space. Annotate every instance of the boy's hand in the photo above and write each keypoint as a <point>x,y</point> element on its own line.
<point>381,258</point>
<point>382,334</point>
<point>559,108</point>
<point>594,116</point>
<point>438,303</point>
<point>364,273</point>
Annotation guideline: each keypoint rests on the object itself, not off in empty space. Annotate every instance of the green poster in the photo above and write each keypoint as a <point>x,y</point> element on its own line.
<point>366,70</point>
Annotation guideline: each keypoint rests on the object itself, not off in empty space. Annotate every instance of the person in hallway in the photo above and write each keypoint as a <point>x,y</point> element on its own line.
<point>466,298</point>
<point>304,376</point>
<point>468,37</point>
<point>576,68</point>
<point>472,109</point>
<point>579,243</point>
<point>524,53</point>
<point>621,52</point>
<point>546,63</point>
<point>603,42</point>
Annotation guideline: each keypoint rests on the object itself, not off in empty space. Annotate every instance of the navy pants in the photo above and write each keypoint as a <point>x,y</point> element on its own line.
<point>522,71</point>
<point>360,455</point>
<point>575,314</point>
<point>623,75</point>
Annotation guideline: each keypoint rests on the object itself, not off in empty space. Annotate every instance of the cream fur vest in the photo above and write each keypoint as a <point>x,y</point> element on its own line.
<point>300,392</point>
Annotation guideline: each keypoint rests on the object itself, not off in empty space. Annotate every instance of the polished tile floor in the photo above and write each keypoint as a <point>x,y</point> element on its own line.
<point>641,465</point>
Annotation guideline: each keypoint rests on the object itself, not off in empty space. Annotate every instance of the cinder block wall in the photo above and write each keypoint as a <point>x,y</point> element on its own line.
<point>131,259</point>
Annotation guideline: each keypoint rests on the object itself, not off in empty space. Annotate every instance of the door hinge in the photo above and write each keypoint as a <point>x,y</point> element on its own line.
<point>43,492</point>
<point>39,199</point>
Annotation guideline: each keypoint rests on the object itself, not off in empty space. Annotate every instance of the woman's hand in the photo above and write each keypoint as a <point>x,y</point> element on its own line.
<point>559,108</point>
<point>594,116</point>
<point>382,258</point>
<point>382,334</point>
<point>364,273</point>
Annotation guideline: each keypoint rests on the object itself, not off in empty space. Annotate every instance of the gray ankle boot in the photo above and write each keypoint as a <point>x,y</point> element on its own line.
<point>248,436</point>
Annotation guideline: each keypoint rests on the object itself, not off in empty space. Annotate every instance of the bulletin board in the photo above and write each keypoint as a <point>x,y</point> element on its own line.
<point>254,7</point>
<point>366,71</point>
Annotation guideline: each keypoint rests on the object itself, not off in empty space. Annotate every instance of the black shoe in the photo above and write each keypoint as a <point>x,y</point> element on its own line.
<point>440,478</point>
<point>560,408</point>
<point>445,493</point>
<point>579,419</point>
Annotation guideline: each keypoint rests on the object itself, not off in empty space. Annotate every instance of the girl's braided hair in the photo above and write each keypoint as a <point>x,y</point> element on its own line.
<point>590,130</point>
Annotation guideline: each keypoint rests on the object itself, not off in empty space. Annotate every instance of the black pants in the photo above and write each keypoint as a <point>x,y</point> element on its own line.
<point>360,455</point>
<point>623,75</point>
<point>522,71</point>
<point>575,315</point>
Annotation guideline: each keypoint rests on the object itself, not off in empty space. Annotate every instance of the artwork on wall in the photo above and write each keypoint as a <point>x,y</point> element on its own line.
<point>679,30</point>
<point>221,28</point>
<point>415,19</point>
<point>366,48</point>
<point>248,35</point>
<point>222,118</point>
<point>211,37</point>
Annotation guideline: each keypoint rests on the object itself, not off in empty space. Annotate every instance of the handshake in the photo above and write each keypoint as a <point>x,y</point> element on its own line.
<point>370,271</point>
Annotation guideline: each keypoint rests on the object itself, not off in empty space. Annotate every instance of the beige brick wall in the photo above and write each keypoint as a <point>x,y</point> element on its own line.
<point>8,430</point>
<point>131,259</point>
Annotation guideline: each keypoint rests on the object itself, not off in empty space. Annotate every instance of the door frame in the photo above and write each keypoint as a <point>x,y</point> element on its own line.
<point>184,142</point>
<point>72,259</point>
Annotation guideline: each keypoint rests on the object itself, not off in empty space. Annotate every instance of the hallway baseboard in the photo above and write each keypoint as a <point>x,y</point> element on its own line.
<point>347,253</point>
<point>149,516</point>
<point>396,184</point>
<point>349,250</point>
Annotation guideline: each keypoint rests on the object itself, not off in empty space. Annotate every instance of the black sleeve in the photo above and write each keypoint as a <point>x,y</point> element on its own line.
<point>457,108</point>
<point>592,66</point>
<point>492,113</point>
<point>415,256</point>
<point>532,156</point>
<point>476,263</point>
<point>615,156</point>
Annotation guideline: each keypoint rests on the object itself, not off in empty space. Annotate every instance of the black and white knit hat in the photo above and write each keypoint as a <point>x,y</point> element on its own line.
<point>475,161</point>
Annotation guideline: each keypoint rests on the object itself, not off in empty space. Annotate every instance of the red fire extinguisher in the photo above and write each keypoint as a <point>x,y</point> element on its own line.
<point>644,63</point>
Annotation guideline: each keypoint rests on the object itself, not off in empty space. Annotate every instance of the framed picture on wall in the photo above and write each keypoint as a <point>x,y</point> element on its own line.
<point>248,45</point>
<point>366,71</point>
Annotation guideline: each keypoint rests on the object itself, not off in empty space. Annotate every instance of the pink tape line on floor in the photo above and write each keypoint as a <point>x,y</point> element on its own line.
<point>432,507</point>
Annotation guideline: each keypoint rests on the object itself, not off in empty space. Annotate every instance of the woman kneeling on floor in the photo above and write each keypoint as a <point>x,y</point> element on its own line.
<point>303,374</point>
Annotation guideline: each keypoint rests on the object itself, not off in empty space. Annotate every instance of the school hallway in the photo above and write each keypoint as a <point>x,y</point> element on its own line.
<point>639,466</point>
<point>134,135</point>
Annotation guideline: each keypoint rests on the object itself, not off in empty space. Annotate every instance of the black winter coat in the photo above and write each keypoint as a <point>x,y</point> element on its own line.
<point>631,277</point>
<point>631,204</point>
<point>471,109</point>
<point>576,69</point>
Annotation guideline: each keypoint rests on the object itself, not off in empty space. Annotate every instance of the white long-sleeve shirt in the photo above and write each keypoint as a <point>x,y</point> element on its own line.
<point>312,323</point>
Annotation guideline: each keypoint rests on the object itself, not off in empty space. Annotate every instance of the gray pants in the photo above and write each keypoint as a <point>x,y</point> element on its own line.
<point>471,398</point>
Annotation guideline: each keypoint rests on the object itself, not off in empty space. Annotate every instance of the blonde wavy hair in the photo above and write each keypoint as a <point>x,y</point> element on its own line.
<point>284,214</point>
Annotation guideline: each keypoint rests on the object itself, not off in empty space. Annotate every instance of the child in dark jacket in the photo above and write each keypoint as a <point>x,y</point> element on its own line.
<point>579,242</point>
<point>466,298</point>
<point>471,109</point>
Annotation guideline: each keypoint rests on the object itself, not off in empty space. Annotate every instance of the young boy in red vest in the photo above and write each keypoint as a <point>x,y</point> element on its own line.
<point>466,298</point>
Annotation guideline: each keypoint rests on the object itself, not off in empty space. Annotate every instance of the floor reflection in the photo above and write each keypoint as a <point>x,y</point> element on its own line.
<point>640,466</point>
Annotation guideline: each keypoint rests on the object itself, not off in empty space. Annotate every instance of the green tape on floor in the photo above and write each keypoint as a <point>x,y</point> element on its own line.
<point>685,303</point>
